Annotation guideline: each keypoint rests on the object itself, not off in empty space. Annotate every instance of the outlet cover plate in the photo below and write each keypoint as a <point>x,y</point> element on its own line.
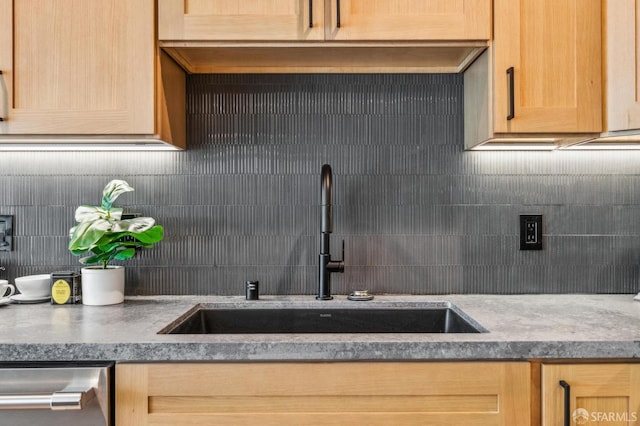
<point>531,232</point>
<point>6,233</point>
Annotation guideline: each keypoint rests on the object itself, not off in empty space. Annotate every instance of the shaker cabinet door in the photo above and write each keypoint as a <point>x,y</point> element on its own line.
<point>273,20</point>
<point>590,394</point>
<point>622,58</point>
<point>547,66</point>
<point>329,393</point>
<point>77,67</point>
<point>409,19</point>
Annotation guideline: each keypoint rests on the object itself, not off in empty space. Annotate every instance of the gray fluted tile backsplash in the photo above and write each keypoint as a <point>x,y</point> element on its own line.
<point>418,214</point>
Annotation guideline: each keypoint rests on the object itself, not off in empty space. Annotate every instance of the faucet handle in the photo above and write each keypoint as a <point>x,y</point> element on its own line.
<point>336,265</point>
<point>339,264</point>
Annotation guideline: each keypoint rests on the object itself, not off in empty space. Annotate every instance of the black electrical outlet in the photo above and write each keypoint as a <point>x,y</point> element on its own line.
<point>6,233</point>
<point>531,232</point>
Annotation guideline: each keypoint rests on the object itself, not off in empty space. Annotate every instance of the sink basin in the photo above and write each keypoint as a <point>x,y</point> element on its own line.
<point>439,319</point>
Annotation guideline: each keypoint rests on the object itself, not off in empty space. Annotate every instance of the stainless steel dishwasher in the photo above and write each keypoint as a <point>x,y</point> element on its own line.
<point>47,394</point>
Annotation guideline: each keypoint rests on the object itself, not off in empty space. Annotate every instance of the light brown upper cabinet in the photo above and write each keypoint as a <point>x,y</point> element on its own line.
<point>621,38</point>
<point>408,20</point>
<point>83,69</point>
<point>305,20</point>
<point>240,20</point>
<point>326,36</point>
<point>590,394</point>
<point>541,78</point>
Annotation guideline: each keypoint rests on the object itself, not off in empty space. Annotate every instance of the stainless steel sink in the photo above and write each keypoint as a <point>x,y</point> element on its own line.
<point>441,318</point>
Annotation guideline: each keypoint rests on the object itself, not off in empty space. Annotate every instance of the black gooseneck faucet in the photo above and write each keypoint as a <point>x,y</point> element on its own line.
<point>326,265</point>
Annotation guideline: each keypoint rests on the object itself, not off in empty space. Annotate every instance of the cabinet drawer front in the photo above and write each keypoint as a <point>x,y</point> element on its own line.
<point>295,393</point>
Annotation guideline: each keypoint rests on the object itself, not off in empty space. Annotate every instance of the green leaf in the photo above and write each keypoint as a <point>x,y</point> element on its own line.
<point>125,254</point>
<point>89,213</point>
<point>136,225</point>
<point>84,235</point>
<point>89,260</point>
<point>124,244</point>
<point>112,190</point>
<point>149,237</point>
<point>100,256</point>
<point>152,235</point>
<point>115,213</point>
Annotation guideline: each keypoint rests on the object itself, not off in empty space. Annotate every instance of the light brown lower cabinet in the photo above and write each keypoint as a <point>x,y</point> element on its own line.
<point>333,393</point>
<point>596,394</point>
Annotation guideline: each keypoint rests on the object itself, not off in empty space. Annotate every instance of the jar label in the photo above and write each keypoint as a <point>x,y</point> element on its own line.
<point>60,292</point>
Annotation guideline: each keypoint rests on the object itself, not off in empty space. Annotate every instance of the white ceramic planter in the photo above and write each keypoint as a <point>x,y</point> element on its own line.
<point>102,286</point>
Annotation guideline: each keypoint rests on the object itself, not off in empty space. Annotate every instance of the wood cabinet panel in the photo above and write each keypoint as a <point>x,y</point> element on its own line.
<point>539,85</point>
<point>554,48</point>
<point>599,394</point>
<point>241,20</point>
<point>323,393</point>
<point>256,36</point>
<point>622,35</point>
<point>279,20</point>
<point>409,20</point>
<point>78,67</point>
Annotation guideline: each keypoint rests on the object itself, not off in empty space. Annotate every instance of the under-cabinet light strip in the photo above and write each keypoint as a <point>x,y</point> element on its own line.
<point>36,144</point>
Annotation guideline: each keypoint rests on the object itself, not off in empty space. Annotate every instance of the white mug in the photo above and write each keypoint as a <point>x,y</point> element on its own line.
<point>6,289</point>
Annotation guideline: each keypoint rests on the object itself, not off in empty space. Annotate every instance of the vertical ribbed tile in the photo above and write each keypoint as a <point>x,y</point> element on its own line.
<point>417,213</point>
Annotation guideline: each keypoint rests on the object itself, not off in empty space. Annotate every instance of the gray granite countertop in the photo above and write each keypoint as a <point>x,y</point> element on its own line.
<point>520,327</point>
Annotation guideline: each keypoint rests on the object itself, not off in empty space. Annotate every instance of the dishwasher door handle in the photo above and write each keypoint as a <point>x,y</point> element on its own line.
<point>63,400</point>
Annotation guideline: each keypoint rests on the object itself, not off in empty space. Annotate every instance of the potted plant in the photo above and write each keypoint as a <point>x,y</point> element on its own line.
<point>104,236</point>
